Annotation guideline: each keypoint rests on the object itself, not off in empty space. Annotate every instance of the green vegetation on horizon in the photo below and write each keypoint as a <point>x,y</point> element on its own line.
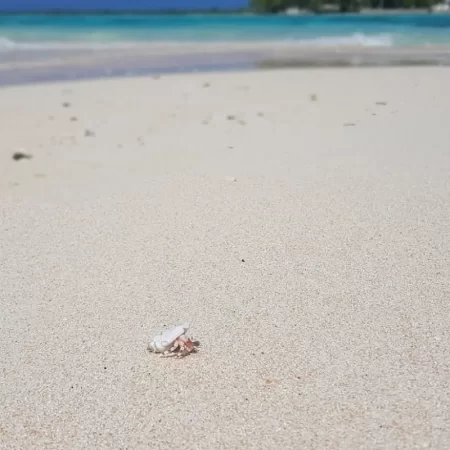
<point>274,6</point>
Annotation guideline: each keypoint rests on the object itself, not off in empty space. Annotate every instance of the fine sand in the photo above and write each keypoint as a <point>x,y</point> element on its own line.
<point>299,219</point>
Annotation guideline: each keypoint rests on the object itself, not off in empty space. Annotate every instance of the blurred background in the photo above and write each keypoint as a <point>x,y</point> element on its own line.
<point>67,39</point>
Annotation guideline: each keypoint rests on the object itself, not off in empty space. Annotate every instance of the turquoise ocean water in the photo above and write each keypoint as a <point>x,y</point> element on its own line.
<point>35,32</point>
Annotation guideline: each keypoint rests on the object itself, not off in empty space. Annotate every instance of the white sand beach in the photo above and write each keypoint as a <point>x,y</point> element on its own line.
<point>299,219</point>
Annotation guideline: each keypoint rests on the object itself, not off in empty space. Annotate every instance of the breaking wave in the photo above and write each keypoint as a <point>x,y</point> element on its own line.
<point>356,39</point>
<point>8,45</point>
<point>352,40</point>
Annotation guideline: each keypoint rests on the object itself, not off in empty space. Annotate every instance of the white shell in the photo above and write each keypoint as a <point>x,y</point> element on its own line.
<point>162,342</point>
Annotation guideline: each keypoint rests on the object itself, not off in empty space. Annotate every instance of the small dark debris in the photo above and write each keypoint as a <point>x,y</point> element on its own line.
<point>230,146</point>
<point>242,260</point>
<point>89,133</point>
<point>313,97</point>
<point>231,117</point>
<point>205,85</point>
<point>66,105</point>
<point>381,103</point>
<point>349,124</point>
<point>104,367</point>
<point>73,119</point>
<point>260,114</point>
<point>17,156</point>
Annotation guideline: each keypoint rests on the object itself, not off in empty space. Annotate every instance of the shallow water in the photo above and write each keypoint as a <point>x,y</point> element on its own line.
<point>39,32</point>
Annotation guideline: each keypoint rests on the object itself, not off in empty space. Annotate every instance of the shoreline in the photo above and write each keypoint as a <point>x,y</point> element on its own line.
<point>30,66</point>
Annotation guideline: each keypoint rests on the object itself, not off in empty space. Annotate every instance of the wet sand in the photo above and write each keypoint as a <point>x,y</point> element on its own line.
<point>22,66</point>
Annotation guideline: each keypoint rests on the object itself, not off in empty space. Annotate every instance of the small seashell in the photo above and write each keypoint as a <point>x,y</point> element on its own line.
<point>164,341</point>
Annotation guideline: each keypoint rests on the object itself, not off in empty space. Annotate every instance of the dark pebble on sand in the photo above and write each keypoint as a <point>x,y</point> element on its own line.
<point>66,104</point>
<point>89,133</point>
<point>73,119</point>
<point>231,117</point>
<point>17,156</point>
<point>313,97</point>
<point>381,103</point>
